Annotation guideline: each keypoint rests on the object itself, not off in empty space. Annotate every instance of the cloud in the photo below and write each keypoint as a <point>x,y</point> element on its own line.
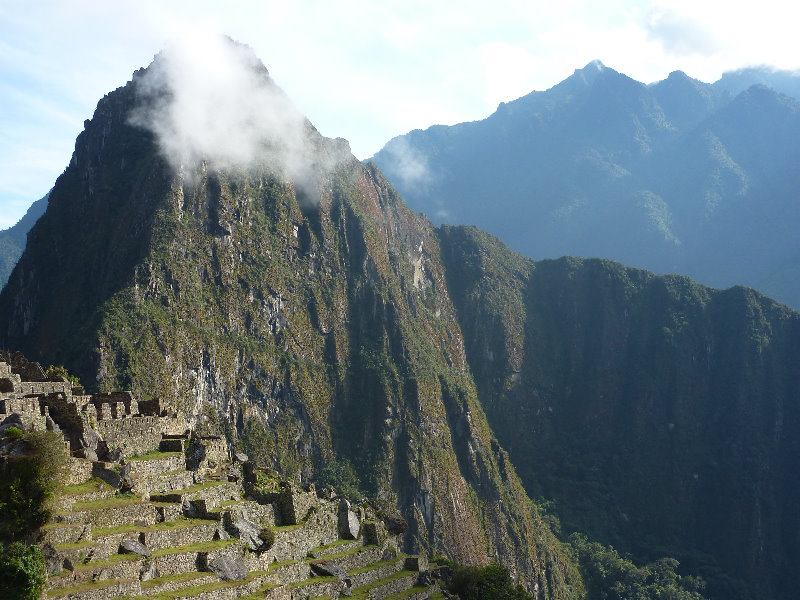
<point>211,100</point>
<point>409,164</point>
<point>680,34</point>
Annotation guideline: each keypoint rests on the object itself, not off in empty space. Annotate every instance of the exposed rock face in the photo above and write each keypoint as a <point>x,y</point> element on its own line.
<point>311,316</point>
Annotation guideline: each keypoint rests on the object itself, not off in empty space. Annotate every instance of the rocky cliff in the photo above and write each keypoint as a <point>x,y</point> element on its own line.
<point>657,414</point>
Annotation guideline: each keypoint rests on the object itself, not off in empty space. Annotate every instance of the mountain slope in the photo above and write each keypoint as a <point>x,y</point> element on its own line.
<point>12,240</point>
<point>303,313</point>
<point>658,415</point>
<point>668,177</point>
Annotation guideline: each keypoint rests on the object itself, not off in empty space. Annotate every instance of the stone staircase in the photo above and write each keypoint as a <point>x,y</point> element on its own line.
<point>209,533</point>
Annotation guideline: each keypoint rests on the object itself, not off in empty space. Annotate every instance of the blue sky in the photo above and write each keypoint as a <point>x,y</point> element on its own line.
<point>365,71</point>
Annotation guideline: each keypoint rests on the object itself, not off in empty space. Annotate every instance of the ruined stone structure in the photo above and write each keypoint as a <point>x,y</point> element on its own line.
<point>151,512</point>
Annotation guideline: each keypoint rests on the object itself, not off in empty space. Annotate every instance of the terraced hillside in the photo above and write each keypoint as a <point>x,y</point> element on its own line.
<point>187,520</point>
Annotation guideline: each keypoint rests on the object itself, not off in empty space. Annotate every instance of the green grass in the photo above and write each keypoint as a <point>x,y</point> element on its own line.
<point>111,560</point>
<point>154,455</point>
<point>86,587</point>
<point>335,544</point>
<point>287,527</point>
<point>196,590</point>
<point>405,594</point>
<point>104,503</point>
<point>376,565</point>
<point>364,590</point>
<point>93,485</point>
<point>201,547</point>
<point>312,581</point>
<point>176,578</point>
<point>181,523</point>
<point>75,545</point>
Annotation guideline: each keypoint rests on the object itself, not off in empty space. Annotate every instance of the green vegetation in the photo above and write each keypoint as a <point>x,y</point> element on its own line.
<point>13,433</point>
<point>54,371</point>
<point>28,485</point>
<point>492,582</point>
<point>341,476</point>
<point>22,571</point>
<point>608,576</point>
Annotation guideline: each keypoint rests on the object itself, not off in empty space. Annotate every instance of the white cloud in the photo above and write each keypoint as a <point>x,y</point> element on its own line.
<point>364,71</point>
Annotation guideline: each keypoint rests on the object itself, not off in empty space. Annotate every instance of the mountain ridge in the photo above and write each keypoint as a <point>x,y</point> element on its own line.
<point>598,166</point>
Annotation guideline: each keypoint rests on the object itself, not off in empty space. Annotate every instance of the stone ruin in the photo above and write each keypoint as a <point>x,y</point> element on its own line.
<point>148,511</point>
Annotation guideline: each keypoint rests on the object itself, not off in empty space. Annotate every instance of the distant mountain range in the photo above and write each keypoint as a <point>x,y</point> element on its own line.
<point>679,176</point>
<point>12,240</point>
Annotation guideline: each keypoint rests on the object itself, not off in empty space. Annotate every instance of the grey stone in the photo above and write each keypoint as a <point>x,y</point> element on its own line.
<point>190,510</point>
<point>327,568</point>
<point>389,554</point>
<point>54,563</point>
<point>228,568</point>
<point>416,563</point>
<point>240,457</point>
<point>149,572</point>
<point>133,547</point>
<point>348,523</point>
<point>248,533</point>
<point>374,533</point>
<point>51,425</point>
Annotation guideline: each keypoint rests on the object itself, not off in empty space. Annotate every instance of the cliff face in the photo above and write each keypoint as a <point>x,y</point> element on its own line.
<point>659,415</point>
<point>307,317</point>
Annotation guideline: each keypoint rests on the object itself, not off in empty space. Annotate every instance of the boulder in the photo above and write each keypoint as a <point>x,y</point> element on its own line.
<point>328,568</point>
<point>348,523</point>
<point>228,568</point>
<point>133,547</point>
<point>248,533</point>
<point>54,563</point>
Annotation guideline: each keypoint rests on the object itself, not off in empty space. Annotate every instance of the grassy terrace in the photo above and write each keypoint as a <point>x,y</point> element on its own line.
<point>113,502</point>
<point>93,485</point>
<point>409,592</point>
<point>85,587</point>
<point>194,488</point>
<point>177,578</point>
<point>202,547</point>
<point>180,523</point>
<point>364,590</point>
<point>154,455</point>
<point>111,560</point>
<point>196,590</point>
<point>377,565</point>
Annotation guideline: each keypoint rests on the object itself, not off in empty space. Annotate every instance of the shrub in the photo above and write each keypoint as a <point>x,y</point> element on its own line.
<point>59,371</point>
<point>13,433</point>
<point>267,536</point>
<point>22,571</point>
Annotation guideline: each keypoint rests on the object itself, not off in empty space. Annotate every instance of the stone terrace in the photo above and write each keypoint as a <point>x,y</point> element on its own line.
<point>167,517</point>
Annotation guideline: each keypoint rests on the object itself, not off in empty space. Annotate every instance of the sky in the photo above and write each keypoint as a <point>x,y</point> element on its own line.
<point>364,71</point>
